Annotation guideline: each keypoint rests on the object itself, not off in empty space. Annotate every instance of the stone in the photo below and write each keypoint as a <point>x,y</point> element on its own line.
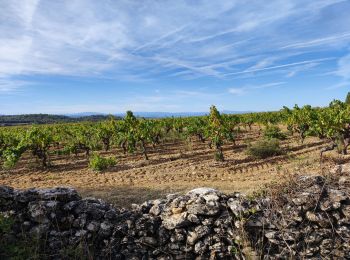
<point>58,194</point>
<point>206,209</point>
<point>197,234</point>
<point>163,235</point>
<point>93,226</point>
<point>80,233</point>
<point>303,198</point>
<point>177,210</point>
<point>149,241</point>
<point>200,248</point>
<point>175,221</point>
<point>105,228</point>
<point>156,209</point>
<point>211,197</point>
<point>346,211</point>
<point>318,218</point>
<point>337,195</point>
<point>270,235</point>
<point>111,214</point>
<point>71,205</point>
<point>345,168</point>
<point>39,231</point>
<point>236,207</point>
<point>6,192</point>
<point>202,191</point>
<point>39,210</point>
<point>193,218</point>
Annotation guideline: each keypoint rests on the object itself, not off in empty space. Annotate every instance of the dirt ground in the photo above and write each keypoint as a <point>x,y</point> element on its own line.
<point>174,167</point>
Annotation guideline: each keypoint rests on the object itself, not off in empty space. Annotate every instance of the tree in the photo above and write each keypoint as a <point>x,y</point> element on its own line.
<point>339,125</point>
<point>128,131</point>
<point>38,140</point>
<point>231,127</point>
<point>80,137</point>
<point>105,132</point>
<point>196,127</point>
<point>300,120</point>
<point>347,100</point>
<point>216,132</point>
<point>144,134</point>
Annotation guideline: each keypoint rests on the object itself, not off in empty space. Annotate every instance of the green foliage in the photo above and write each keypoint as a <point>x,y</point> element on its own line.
<point>105,132</point>
<point>38,140</point>
<point>197,128</point>
<point>99,163</point>
<point>144,134</point>
<point>337,124</point>
<point>300,120</point>
<point>231,123</point>
<point>347,100</point>
<point>6,224</point>
<point>216,131</point>
<point>247,120</point>
<point>139,135</point>
<point>11,157</point>
<point>80,137</point>
<point>265,148</point>
<point>274,132</point>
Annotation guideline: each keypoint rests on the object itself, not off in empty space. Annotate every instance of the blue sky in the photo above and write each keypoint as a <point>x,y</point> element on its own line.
<point>184,55</point>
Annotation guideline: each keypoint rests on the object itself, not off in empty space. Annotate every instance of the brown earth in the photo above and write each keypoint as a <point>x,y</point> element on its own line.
<point>174,167</point>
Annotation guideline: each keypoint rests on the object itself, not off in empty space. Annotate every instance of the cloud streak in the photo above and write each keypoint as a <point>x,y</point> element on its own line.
<point>151,40</point>
<point>252,70</point>
<point>320,41</point>
<point>246,89</point>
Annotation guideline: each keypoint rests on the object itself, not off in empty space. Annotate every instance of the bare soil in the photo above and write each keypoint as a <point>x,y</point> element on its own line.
<point>174,167</point>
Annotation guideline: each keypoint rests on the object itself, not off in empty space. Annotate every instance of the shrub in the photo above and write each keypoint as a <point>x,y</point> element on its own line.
<point>265,148</point>
<point>99,163</point>
<point>6,224</point>
<point>11,157</point>
<point>274,132</point>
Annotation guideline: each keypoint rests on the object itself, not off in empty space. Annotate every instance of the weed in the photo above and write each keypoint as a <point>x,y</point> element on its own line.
<point>99,163</point>
<point>265,148</point>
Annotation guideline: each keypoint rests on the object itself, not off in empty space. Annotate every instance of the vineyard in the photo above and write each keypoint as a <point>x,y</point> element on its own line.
<point>174,153</point>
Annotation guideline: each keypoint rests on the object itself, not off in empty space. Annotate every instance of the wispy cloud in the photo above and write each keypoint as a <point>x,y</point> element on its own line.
<point>153,39</point>
<point>160,39</point>
<point>319,41</point>
<point>342,84</point>
<point>9,85</point>
<point>344,67</point>
<point>244,90</point>
<point>280,66</point>
<point>295,70</point>
<point>343,71</point>
<point>237,91</point>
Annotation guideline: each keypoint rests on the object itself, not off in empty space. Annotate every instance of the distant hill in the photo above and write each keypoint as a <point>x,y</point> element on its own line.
<point>177,114</point>
<point>91,116</point>
<point>46,119</point>
<point>85,114</point>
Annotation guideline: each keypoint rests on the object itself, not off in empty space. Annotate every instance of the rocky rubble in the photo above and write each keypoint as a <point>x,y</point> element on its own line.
<point>311,221</point>
<point>199,224</point>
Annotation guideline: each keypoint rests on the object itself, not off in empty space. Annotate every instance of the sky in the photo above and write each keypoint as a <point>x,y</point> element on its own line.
<point>171,56</point>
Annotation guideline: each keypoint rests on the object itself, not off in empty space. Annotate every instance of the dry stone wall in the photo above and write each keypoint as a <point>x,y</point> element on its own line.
<point>310,220</point>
